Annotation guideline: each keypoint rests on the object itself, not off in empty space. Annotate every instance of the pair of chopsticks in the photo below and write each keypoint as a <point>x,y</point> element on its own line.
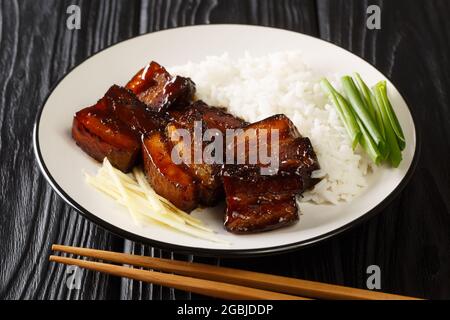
<point>214,281</point>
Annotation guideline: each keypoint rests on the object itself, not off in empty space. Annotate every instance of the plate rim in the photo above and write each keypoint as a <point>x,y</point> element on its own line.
<point>229,253</point>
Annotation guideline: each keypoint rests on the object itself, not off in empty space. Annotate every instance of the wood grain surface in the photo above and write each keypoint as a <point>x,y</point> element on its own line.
<point>409,240</point>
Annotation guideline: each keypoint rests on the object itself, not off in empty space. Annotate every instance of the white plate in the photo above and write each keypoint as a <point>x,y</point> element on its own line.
<point>62,162</point>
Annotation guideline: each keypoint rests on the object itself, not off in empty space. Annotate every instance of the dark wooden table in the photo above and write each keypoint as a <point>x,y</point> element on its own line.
<point>409,240</point>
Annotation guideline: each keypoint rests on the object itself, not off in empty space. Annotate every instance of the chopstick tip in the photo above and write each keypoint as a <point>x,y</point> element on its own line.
<point>58,247</point>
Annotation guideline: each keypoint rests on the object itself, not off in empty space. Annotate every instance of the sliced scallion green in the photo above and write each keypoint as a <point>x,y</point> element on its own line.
<point>345,112</point>
<point>369,118</point>
<point>391,114</point>
<point>358,107</point>
<point>379,120</point>
<point>395,154</point>
<point>365,94</point>
<point>369,145</point>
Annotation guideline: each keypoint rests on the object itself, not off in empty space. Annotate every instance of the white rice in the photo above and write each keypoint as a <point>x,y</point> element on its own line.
<point>257,87</point>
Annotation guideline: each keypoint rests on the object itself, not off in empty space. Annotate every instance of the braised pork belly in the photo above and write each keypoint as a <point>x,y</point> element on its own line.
<point>159,90</point>
<point>173,182</point>
<point>112,128</point>
<point>208,174</point>
<point>263,200</point>
<point>139,123</point>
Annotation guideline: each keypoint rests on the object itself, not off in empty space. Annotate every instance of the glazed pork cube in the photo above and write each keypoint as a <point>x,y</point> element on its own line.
<point>208,175</point>
<point>155,87</point>
<point>99,139</point>
<point>260,203</point>
<point>112,128</point>
<point>257,201</point>
<point>291,151</point>
<point>171,181</point>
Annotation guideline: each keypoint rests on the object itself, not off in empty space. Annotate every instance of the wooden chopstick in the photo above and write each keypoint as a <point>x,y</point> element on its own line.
<point>244,278</point>
<point>200,286</point>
